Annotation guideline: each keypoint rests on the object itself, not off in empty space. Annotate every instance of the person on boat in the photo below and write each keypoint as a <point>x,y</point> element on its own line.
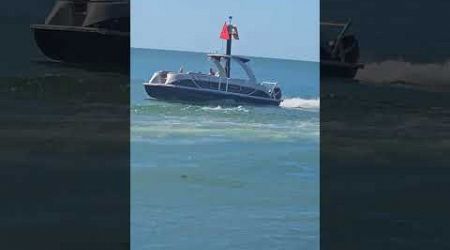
<point>211,72</point>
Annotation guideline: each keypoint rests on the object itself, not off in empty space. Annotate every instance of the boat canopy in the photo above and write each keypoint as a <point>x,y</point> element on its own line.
<point>333,24</point>
<point>242,61</point>
<point>343,27</point>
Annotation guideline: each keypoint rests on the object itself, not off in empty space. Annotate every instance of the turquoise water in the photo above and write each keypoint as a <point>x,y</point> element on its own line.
<point>212,177</point>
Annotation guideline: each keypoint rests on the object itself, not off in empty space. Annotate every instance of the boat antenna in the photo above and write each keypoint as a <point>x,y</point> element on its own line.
<point>228,52</point>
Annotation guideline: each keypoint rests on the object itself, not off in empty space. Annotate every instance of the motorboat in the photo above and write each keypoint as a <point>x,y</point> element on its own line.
<point>216,87</point>
<point>339,51</point>
<point>82,31</point>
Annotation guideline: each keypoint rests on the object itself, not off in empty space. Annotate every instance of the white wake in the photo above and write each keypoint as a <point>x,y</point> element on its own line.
<point>398,71</point>
<point>300,103</point>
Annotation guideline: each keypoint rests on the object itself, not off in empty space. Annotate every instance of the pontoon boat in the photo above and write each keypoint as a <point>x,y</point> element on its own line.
<point>215,87</point>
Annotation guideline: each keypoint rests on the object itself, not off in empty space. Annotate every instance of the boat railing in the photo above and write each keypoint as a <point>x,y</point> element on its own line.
<point>269,85</point>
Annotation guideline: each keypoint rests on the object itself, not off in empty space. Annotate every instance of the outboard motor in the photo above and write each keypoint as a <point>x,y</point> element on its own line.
<point>277,93</point>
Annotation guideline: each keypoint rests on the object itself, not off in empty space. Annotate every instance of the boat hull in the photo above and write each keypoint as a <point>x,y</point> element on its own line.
<point>78,45</point>
<point>174,93</point>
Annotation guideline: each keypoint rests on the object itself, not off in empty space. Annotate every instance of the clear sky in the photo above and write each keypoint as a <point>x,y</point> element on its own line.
<point>267,28</point>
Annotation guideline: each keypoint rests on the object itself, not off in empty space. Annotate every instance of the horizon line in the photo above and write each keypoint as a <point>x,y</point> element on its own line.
<point>277,58</point>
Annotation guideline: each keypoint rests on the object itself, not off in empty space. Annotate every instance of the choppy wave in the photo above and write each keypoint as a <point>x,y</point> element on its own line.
<point>398,71</point>
<point>301,103</point>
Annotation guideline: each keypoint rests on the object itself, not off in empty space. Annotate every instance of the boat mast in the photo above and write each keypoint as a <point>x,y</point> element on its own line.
<point>228,52</point>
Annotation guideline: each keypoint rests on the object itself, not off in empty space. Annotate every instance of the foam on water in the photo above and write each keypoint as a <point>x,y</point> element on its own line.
<point>399,71</point>
<point>226,109</point>
<point>300,103</point>
<point>220,131</point>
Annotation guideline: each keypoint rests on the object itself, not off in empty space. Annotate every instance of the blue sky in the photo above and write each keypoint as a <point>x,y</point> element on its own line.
<point>267,28</point>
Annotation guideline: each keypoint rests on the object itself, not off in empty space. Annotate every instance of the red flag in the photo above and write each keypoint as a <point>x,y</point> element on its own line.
<point>224,34</point>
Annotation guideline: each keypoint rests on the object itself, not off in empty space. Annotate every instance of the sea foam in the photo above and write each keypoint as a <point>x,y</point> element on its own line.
<point>398,71</point>
<point>300,103</point>
<point>220,108</point>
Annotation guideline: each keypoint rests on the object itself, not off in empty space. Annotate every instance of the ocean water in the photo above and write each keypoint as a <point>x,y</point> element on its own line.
<point>384,135</point>
<point>213,177</point>
<point>66,140</point>
<point>384,163</point>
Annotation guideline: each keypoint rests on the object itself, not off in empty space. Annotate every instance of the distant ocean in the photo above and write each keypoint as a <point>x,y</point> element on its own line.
<point>213,177</point>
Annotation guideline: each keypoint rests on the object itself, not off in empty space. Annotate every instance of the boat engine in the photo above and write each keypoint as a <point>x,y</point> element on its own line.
<point>277,93</point>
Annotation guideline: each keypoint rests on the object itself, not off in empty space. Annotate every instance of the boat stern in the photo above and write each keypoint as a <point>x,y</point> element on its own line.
<point>273,89</point>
